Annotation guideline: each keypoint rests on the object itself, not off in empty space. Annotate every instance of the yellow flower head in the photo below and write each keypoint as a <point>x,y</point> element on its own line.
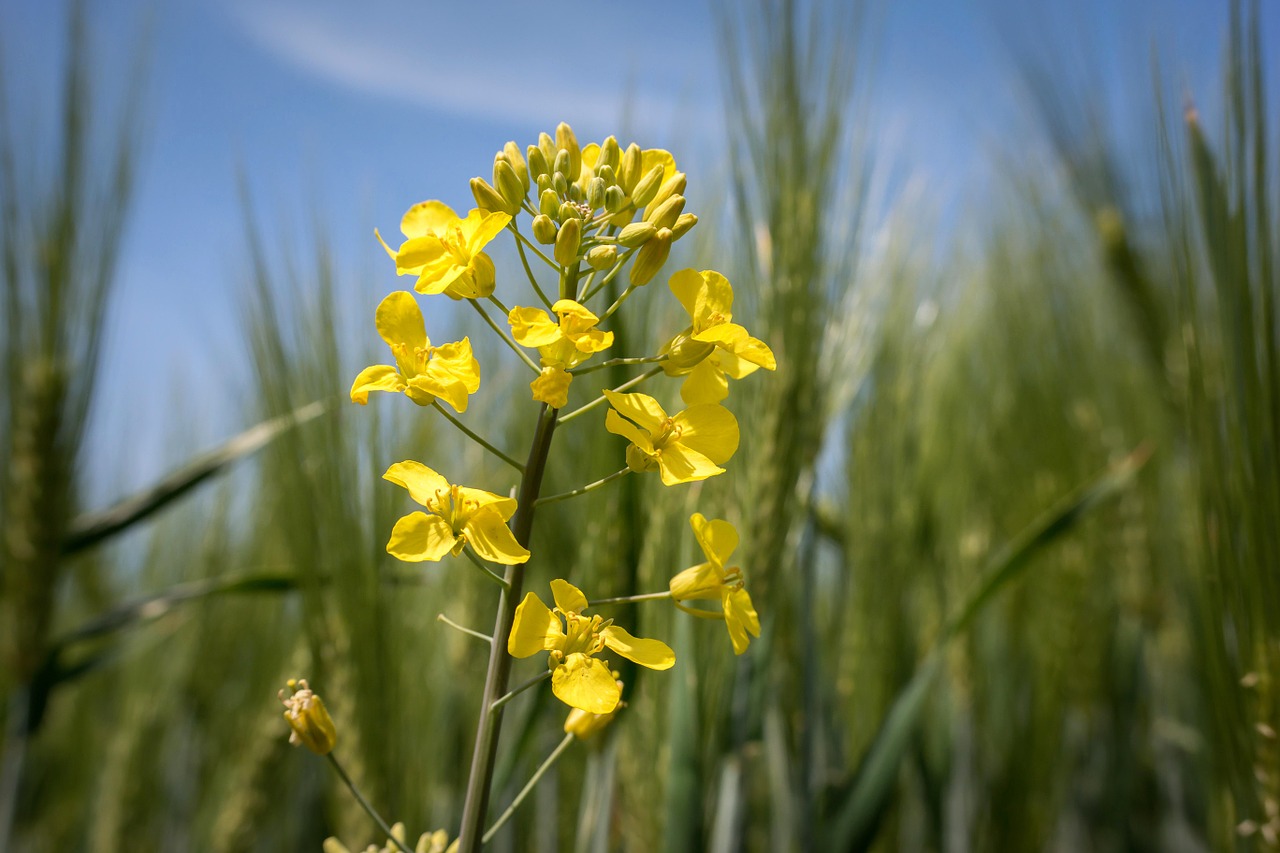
<point>422,372</point>
<point>689,446</point>
<point>312,726</point>
<point>712,581</point>
<point>578,679</point>
<point>562,344</point>
<point>456,516</point>
<point>713,346</point>
<point>444,250</point>
<point>583,725</point>
<point>633,166</point>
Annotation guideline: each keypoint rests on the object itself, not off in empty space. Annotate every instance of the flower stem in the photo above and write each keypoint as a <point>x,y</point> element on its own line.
<point>617,362</point>
<point>364,804</point>
<point>630,383</point>
<point>618,303</point>
<point>485,754</point>
<point>502,700</point>
<point>525,240</point>
<point>440,617</point>
<point>524,259</point>
<point>627,599</point>
<point>479,564</point>
<point>477,439</point>
<point>617,267</point>
<point>529,786</point>
<point>492,325</point>
<point>589,487</point>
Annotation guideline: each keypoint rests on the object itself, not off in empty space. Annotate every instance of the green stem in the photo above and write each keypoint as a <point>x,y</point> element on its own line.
<point>524,792</point>
<point>498,304</point>
<point>630,383</point>
<point>514,348</point>
<point>477,439</point>
<point>618,304</point>
<point>627,599</point>
<point>618,362</point>
<point>479,564</point>
<point>537,679</point>
<point>440,617</point>
<point>528,271</point>
<point>364,804</point>
<point>525,240</point>
<point>476,803</point>
<point>610,277</point>
<point>589,487</point>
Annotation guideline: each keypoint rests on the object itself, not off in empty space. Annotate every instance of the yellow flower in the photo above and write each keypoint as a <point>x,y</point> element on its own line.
<point>584,725</point>
<point>689,446</point>
<point>428,842</point>
<point>422,372</point>
<point>713,346</point>
<point>444,251</point>
<point>578,679</point>
<point>712,581</point>
<point>641,163</point>
<point>312,726</point>
<point>458,516</point>
<point>562,345</point>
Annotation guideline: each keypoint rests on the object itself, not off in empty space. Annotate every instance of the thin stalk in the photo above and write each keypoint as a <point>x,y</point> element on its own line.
<point>364,804</point>
<point>479,564</point>
<point>483,758</point>
<point>505,337</point>
<point>630,383</point>
<point>529,786</point>
<point>618,362</point>
<point>12,760</point>
<point>589,487</point>
<point>627,599</point>
<point>525,240</point>
<point>537,679</point>
<point>498,304</point>
<point>611,276</point>
<point>528,271</point>
<point>477,439</point>
<point>440,617</point>
<point>618,303</point>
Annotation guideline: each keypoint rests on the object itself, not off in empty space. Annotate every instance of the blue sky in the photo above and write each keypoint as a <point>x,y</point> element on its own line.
<point>360,110</point>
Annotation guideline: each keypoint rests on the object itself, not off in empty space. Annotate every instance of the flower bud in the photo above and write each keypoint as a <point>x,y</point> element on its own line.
<point>674,185</point>
<point>684,353</point>
<point>544,230</point>
<point>651,257</point>
<point>615,199</point>
<point>487,198</point>
<point>566,141</point>
<point>639,461</point>
<point>543,184</point>
<point>606,174</point>
<point>567,242</point>
<point>629,172</point>
<point>595,192</point>
<point>511,151</point>
<point>305,712</point>
<point>576,194</point>
<point>548,147</point>
<point>648,187</point>
<point>568,211</point>
<point>637,234</point>
<point>610,154</point>
<point>684,222</point>
<point>665,214</point>
<point>602,257</point>
<point>549,203</point>
<point>538,165</point>
<point>509,186</point>
<point>561,163</point>
<point>560,183</point>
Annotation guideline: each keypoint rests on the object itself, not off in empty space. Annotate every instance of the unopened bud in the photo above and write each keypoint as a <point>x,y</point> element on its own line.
<point>509,186</point>
<point>610,154</point>
<point>566,141</point>
<point>538,165</point>
<point>487,198</point>
<point>512,152</point>
<point>595,192</point>
<point>648,187</point>
<point>651,257</point>
<point>606,174</point>
<point>561,163</point>
<point>543,184</point>
<point>549,203</point>
<point>567,242</point>
<point>674,185</point>
<point>560,183</point>
<point>629,172</point>
<point>548,147</point>
<point>576,193</point>
<point>310,721</point>
<point>544,230</point>
<point>637,234</point>
<point>568,211</point>
<point>684,222</point>
<point>615,199</point>
<point>665,214</point>
<point>602,257</point>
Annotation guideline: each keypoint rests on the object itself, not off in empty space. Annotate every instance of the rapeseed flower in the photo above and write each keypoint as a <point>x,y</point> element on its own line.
<point>307,717</point>
<point>714,582</point>
<point>422,372</point>
<point>578,678</point>
<point>444,250</point>
<point>562,344</point>
<point>688,446</point>
<point>456,516</point>
<point>713,347</point>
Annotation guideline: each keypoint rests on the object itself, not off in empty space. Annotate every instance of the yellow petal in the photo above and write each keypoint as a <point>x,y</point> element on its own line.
<point>686,284</point>
<point>531,327</point>
<point>715,298</point>
<point>480,227</point>
<point>427,217</point>
<point>703,581</point>
<point>711,430</point>
<point>569,308</point>
<point>755,351</point>
<point>641,408</point>
<point>654,654</point>
<point>618,425</point>
<point>679,464</point>
<point>552,387</point>
<point>421,253</point>
<point>421,481</point>
<point>706,383</point>
<point>492,539</point>
<point>458,360</point>
<point>740,618</point>
<point>586,683</point>
<point>534,630</point>
<point>717,538</point>
<point>732,366</point>
<point>568,597</point>
<point>440,276</point>
<point>418,537</point>
<point>380,377</point>
<point>593,340</point>
<point>726,335</point>
<point>399,321</point>
<point>390,251</point>
<point>504,506</point>
<point>424,389</point>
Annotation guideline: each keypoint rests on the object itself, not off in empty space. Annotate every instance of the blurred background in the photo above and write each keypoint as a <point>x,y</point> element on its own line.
<point>1010,506</point>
